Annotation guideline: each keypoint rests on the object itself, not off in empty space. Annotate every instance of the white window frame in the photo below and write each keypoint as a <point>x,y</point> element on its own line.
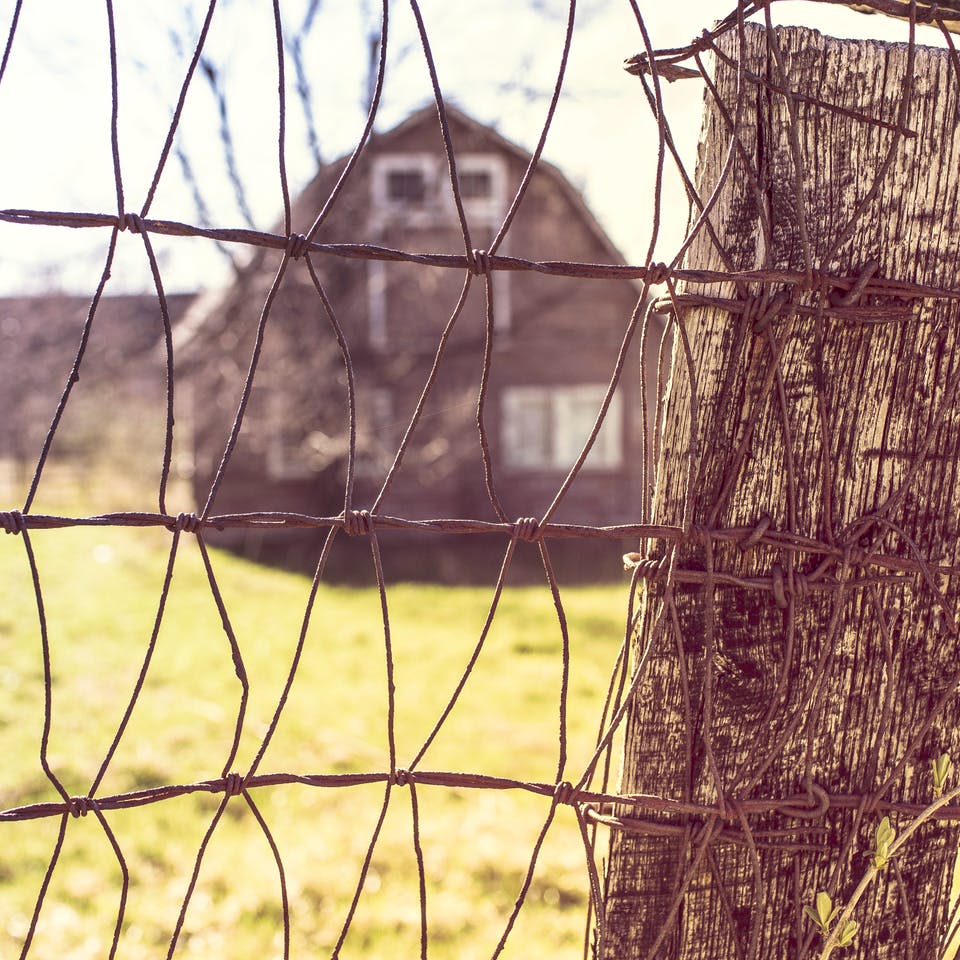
<point>437,204</point>
<point>488,209</point>
<point>377,304</point>
<point>385,208</point>
<point>436,208</point>
<point>561,440</point>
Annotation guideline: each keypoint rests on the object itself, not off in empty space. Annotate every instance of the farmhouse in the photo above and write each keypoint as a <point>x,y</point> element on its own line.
<point>551,350</point>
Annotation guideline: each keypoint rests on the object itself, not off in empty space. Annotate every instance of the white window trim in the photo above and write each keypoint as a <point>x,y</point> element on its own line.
<point>438,201</point>
<point>384,208</point>
<point>502,300</point>
<point>561,448</point>
<point>377,303</point>
<point>437,208</point>
<point>487,209</point>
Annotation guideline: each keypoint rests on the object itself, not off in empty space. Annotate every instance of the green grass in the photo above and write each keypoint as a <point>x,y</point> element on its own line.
<point>100,589</point>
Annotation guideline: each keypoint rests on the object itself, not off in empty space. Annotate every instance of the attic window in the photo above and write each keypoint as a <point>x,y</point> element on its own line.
<point>406,185</point>
<point>476,184</point>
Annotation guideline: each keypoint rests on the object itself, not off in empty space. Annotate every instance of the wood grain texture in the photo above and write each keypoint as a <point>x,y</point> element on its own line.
<point>845,431</point>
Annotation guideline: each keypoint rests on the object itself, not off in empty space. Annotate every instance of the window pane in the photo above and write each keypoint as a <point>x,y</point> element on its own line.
<point>577,409</point>
<point>526,426</point>
<point>406,186</point>
<point>476,184</point>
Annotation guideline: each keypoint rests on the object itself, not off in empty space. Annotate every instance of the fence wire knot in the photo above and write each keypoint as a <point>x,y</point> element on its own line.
<point>233,785</point>
<point>401,777</point>
<point>796,584</point>
<point>647,567</point>
<point>811,805</point>
<point>814,282</point>
<point>13,521</point>
<point>774,309</point>
<point>478,262</point>
<point>696,533</point>
<point>750,307</point>
<point>854,555</point>
<point>850,298</point>
<point>657,273</point>
<point>564,792</point>
<point>756,535</point>
<point>357,523</point>
<point>80,806</point>
<point>187,523</point>
<point>130,221</point>
<point>702,42</point>
<point>664,306</point>
<point>641,65</point>
<point>297,246</point>
<point>527,529</point>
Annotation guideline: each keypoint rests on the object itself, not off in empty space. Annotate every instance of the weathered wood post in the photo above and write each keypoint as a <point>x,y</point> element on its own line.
<point>797,648</point>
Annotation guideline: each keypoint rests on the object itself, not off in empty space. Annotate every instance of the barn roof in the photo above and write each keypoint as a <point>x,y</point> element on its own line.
<point>570,193</point>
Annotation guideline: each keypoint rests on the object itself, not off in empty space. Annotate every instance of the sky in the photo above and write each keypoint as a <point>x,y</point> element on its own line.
<point>496,60</point>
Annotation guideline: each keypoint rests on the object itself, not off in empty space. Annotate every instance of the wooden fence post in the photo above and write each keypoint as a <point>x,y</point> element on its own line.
<point>794,685</point>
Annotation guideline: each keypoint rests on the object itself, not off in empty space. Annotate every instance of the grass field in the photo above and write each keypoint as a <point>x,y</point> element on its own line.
<point>100,589</point>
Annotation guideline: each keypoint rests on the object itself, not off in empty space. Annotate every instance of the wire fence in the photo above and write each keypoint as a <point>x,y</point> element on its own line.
<point>729,851</point>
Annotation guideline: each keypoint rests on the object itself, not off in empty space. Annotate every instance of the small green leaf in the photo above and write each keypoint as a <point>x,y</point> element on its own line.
<point>885,834</point>
<point>824,911</point>
<point>942,768</point>
<point>883,838</point>
<point>824,907</point>
<point>846,933</point>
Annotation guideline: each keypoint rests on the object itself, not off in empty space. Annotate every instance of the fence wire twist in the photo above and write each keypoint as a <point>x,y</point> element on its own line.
<point>833,563</point>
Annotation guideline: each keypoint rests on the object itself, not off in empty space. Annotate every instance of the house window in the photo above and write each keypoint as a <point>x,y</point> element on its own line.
<point>412,208</point>
<point>545,428</point>
<point>476,184</point>
<point>483,187</point>
<point>406,186</point>
<point>403,185</point>
<point>418,185</point>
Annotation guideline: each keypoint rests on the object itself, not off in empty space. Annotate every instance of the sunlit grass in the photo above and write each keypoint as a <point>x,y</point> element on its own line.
<point>101,587</point>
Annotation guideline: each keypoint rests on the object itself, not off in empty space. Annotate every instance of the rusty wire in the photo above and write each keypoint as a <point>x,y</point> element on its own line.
<point>835,564</point>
